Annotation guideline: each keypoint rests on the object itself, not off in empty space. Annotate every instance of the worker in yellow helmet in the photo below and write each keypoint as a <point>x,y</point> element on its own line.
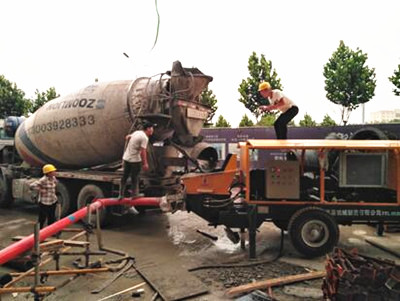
<point>278,101</point>
<point>47,198</point>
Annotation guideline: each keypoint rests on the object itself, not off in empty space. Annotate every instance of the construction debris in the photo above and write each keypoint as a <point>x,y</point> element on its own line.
<point>351,276</point>
<point>124,291</point>
<point>273,282</point>
<point>256,296</point>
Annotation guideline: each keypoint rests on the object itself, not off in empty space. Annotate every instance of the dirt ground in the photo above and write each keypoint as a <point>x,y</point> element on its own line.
<point>170,245</point>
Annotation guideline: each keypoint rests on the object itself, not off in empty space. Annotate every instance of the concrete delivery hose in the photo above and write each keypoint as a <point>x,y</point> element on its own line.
<point>26,243</point>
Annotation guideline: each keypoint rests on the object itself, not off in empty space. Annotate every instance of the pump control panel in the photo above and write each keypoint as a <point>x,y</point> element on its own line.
<point>283,179</point>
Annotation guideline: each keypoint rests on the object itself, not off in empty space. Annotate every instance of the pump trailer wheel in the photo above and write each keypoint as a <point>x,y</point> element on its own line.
<point>313,232</point>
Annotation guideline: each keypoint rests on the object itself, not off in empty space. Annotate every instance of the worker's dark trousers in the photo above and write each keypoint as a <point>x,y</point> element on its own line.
<point>281,123</point>
<point>47,212</point>
<point>132,170</point>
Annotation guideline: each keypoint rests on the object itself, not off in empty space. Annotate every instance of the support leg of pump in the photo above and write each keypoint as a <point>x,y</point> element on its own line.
<point>242,238</point>
<point>252,231</point>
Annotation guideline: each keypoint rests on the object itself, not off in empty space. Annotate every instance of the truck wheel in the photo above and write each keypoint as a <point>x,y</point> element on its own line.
<point>64,198</point>
<point>6,199</point>
<point>86,196</point>
<point>313,232</point>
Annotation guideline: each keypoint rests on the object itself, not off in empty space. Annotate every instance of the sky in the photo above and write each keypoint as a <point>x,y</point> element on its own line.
<point>69,44</point>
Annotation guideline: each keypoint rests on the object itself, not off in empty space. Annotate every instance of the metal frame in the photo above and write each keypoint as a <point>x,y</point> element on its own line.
<point>322,146</point>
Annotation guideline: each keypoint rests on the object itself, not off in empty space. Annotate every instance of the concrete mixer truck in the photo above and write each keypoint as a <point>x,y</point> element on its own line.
<point>82,134</point>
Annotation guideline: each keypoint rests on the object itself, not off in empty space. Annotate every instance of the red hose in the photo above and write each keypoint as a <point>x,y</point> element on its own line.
<point>26,243</point>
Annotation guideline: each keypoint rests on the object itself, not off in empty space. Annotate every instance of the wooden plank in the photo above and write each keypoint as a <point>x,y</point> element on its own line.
<point>27,289</point>
<point>76,243</point>
<point>124,291</point>
<point>51,245</point>
<point>274,282</point>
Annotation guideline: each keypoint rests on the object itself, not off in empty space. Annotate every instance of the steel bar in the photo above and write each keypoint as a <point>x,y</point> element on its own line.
<point>43,262</point>
<point>66,272</point>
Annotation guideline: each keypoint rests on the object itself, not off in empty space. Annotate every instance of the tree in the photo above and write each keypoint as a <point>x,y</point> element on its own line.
<point>12,99</point>
<point>259,70</point>
<point>246,121</point>
<point>267,120</point>
<point>349,82</point>
<point>222,123</point>
<point>42,98</point>
<point>327,121</point>
<point>395,79</point>
<point>307,121</point>
<point>209,99</point>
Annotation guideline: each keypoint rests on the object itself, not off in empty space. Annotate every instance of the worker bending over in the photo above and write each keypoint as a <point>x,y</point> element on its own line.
<point>278,101</point>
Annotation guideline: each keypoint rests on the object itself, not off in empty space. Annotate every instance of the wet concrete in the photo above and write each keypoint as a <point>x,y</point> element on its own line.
<point>157,240</point>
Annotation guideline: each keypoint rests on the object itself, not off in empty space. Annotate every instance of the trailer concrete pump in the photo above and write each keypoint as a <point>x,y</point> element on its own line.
<point>305,187</point>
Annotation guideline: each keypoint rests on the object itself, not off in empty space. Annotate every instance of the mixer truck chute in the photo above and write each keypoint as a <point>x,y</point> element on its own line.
<point>83,135</point>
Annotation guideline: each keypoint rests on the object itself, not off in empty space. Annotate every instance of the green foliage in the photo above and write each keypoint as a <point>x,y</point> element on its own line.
<point>42,98</point>
<point>395,79</point>
<point>267,120</point>
<point>209,99</point>
<point>259,70</point>
<point>328,121</point>
<point>307,121</point>
<point>12,99</point>
<point>222,123</point>
<point>246,121</point>
<point>348,81</point>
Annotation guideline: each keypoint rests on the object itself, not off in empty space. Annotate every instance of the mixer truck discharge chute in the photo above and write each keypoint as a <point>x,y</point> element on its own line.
<point>83,135</point>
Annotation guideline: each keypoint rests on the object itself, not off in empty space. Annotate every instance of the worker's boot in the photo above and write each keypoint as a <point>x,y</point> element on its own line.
<point>133,210</point>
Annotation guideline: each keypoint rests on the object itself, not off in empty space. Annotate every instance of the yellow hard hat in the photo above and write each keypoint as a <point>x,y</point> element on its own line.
<point>264,86</point>
<point>48,168</point>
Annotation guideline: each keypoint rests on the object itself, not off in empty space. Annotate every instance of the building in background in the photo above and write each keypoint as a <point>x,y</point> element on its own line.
<point>385,116</point>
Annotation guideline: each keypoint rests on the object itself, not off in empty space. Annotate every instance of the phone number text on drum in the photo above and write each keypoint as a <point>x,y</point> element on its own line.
<point>63,124</point>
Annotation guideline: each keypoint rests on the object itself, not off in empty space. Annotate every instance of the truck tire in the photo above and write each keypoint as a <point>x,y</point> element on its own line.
<point>64,198</point>
<point>313,232</point>
<point>86,196</point>
<point>6,199</point>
